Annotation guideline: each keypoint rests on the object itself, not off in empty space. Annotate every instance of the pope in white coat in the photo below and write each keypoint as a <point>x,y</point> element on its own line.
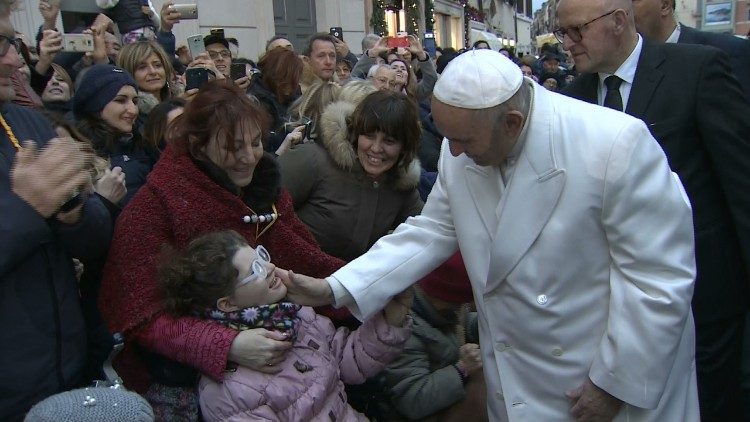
<point>578,241</point>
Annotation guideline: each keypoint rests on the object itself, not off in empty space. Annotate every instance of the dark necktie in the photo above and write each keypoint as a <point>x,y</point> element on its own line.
<point>613,99</point>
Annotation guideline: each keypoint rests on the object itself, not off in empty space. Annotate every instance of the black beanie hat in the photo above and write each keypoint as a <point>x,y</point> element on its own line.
<point>99,85</point>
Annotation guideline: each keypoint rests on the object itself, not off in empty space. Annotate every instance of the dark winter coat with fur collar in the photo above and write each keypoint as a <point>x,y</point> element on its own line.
<point>182,200</point>
<point>345,210</point>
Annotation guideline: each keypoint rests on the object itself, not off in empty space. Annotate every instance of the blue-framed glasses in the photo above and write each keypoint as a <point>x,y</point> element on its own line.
<point>6,42</point>
<point>575,32</point>
<point>258,268</point>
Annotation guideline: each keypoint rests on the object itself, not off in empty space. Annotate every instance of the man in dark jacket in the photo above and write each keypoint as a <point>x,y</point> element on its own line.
<point>43,339</point>
<point>654,19</point>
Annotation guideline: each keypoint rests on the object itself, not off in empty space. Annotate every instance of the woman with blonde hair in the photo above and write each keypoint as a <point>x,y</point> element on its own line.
<point>152,70</point>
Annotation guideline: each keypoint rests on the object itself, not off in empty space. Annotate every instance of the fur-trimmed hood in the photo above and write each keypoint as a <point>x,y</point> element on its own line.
<point>334,140</point>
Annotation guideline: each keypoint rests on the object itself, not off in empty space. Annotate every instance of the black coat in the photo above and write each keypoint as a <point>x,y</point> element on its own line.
<point>42,338</point>
<point>695,110</point>
<point>737,49</point>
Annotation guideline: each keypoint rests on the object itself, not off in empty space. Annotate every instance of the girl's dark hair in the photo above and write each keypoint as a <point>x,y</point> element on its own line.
<point>281,70</point>
<point>103,136</point>
<point>218,108</point>
<point>194,278</point>
<point>395,115</point>
<point>155,128</point>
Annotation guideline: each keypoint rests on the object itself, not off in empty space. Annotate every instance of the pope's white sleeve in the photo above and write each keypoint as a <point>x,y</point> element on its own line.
<point>649,228</point>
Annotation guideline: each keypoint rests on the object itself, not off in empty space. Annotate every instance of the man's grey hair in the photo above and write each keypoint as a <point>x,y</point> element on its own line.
<point>7,6</point>
<point>374,69</point>
<point>520,101</point>
<point>369,41</point>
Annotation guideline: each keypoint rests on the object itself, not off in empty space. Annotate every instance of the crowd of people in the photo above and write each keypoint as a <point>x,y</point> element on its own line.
<point>395,236</point>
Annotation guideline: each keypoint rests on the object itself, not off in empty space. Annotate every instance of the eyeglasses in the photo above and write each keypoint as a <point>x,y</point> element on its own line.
<point>384,81</point>
<point>258,267</point>
<point>225,54</point>
<point>574,32</point>
<point>6,42</point>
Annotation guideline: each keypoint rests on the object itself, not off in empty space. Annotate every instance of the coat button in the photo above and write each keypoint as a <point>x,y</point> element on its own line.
<point>375,184</point>
<point>500,395</point>
<point>501,346</point>
<point>542,299</point>
<point>557,352</point>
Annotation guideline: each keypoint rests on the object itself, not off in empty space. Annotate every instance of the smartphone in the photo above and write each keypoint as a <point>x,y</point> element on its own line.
<point>218,31</point>
<point>308,128</point>
<point>238,70</point>
<point>186,11</point>
<point>77,43</point>
<point>429,44</point>
<point>337,32</point>
<point>196,77</point>
<point>395,42</point>
<point>196,45</point>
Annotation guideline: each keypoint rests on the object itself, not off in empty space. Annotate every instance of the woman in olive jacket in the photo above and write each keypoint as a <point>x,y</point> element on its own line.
<point>360,181</point>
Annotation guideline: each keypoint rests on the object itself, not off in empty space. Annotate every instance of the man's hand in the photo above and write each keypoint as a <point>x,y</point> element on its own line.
<point>341,48</point>
<point>49,11</point>
<point>590,403</point>
<point>47,179</point>
<point>169,16</point>
<point>308,291</point>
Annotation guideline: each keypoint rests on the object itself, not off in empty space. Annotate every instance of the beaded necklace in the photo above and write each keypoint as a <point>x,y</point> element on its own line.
<point>9,132</point>
<point>259,219</point>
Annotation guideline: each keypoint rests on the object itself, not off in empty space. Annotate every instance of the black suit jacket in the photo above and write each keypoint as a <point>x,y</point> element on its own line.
<point>696,111</point>
<point>737,49</point>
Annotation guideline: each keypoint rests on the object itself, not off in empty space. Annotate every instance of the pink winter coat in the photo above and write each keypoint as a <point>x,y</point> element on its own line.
<point>311,383</point>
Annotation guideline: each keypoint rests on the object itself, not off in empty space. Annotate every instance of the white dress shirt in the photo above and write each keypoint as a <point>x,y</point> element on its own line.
<point>626,72</point>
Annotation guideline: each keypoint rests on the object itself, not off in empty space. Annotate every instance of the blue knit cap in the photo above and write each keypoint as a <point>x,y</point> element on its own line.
<point>99,85</point>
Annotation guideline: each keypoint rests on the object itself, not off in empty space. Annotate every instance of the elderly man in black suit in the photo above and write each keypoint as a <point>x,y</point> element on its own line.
<point>695,109</point>
<point>655,20</point>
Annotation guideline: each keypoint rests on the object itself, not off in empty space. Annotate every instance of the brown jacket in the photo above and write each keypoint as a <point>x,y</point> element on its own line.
<point>345,210</point>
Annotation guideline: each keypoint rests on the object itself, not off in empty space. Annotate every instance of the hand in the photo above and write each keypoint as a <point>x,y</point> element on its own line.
<point>590,403</point>
<point>49,46</point>
<point>112,185</point>
<point>260,349</point>
<point>78,267</point>
<point>397,309</point>
<point>470,358</point>
<point>308,291</point>
<point>204,60</point>
<point>103,22</point>
<point>147,11</point>
<point>189,94</point>
<point>341,48</point>
<point>415,47</point>
<point>292,138</point>
<point>243,82</point>
<point>99,55</point>
<point>49,11</point>
<point>169,16</point>
<point>47,179</point>
<point>379,47</point>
